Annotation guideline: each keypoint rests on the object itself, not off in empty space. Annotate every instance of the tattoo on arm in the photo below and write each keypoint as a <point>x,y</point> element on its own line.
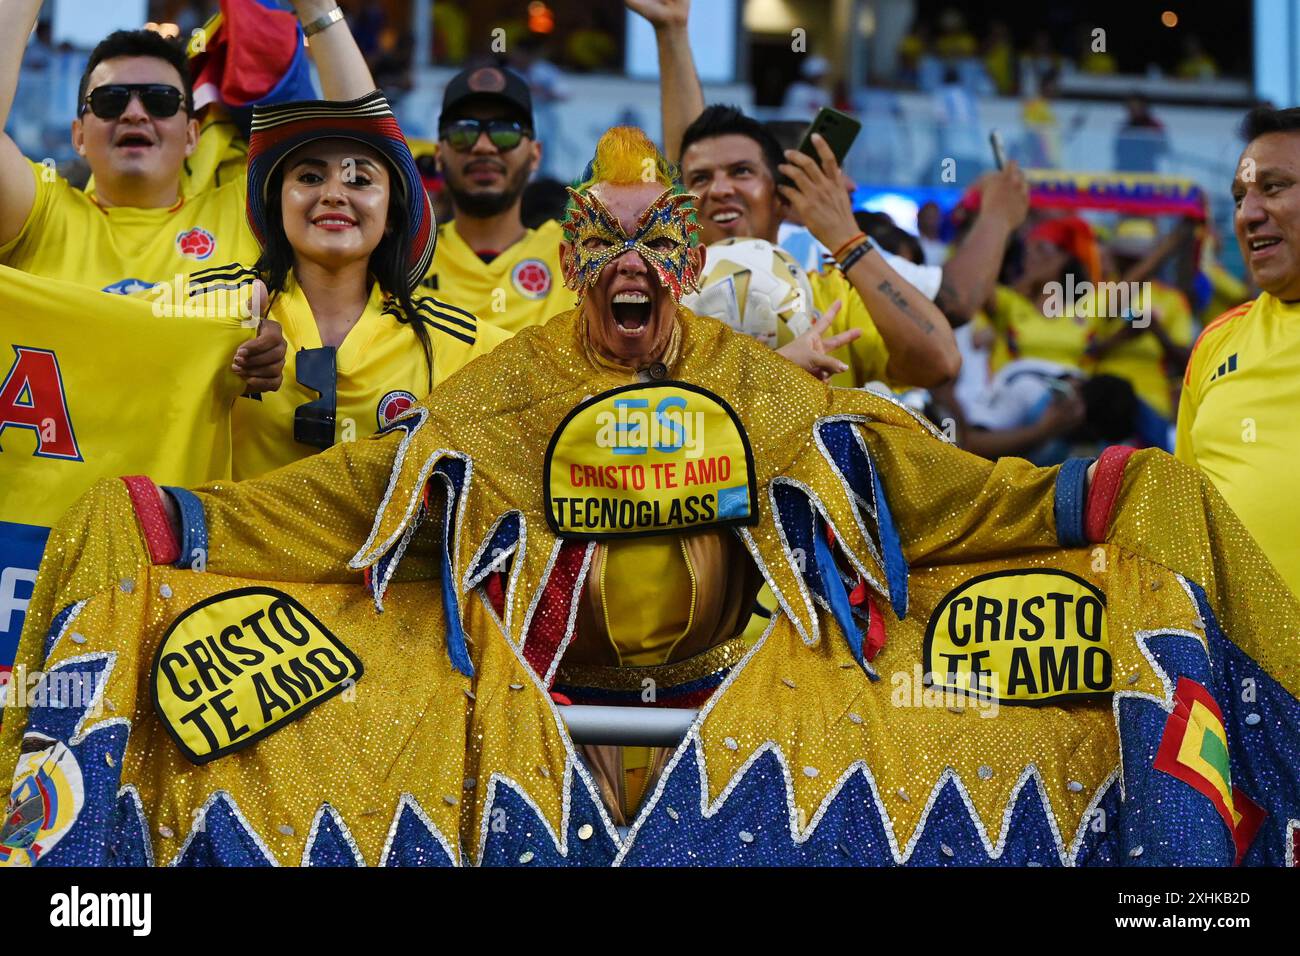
<point>949,302</point>
<point>899,300</point>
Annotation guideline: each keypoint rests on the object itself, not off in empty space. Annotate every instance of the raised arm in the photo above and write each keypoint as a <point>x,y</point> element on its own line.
<point>344,74</point>
<point>18,191</point>
<point>972,269</point>
<point>922,349</point>
<point>681,98</point>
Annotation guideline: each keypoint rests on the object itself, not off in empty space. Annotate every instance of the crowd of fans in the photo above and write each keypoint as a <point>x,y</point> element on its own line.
<point>961,320</point>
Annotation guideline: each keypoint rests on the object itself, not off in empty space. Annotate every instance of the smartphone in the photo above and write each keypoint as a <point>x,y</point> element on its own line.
<point>838,129</point>
<point>999,151</point>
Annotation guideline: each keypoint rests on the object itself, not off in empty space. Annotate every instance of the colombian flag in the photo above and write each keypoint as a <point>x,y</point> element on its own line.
<point>1194,749</point>
<point>93,386</point>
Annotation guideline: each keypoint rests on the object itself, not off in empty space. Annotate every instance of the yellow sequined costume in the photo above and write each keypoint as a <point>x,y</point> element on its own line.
<point>799,756</point>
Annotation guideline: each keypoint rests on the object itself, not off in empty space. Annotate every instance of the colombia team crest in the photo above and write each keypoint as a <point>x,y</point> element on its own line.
<point>196,243</point>
<point>393,405</point>
<point>531,278</point>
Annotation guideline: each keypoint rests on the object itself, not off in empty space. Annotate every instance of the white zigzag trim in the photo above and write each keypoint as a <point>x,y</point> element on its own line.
<point>1167,702</point>
<point>381,586</point>
<point>536,599</point>
<point>408,801</point>
<point>1289,853</point>
<point>111,722</point>
<point>570,625</point>
<point>517,549</point>
<point>694,742</point>
<point>327,808</point>
<point>129,790</point>
<point>1076,845</point>
<point>96,702</point>
<point>67,625</point>
<point>692,735</point>
<point>812,634</point>
<point>200,825</point>
<point>917,416</point>
<point>472,577</point>
<point>572,766</point>
<point>854,559</point>
<point>856,501</point>
<point>362,558</point>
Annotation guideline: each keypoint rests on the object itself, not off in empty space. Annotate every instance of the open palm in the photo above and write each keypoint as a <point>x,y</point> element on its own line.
<point>661,13</point>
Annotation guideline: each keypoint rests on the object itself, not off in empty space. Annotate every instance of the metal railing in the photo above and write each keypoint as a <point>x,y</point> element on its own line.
<point>627,726</point>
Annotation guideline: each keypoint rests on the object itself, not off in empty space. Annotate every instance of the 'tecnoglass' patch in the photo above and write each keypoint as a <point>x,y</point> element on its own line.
<point>240,665</point>
<point>649,459</point>
<point>1020,637</point>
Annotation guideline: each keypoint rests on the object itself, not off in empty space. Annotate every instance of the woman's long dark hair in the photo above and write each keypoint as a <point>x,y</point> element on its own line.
<point>388,263</point>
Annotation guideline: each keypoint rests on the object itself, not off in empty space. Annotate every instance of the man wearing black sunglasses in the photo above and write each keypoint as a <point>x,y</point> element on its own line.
<point>146,219</point>
<point>487,262</point>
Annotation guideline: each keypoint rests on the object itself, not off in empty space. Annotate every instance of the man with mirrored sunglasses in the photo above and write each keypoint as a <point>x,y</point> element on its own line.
<point>486,261</point>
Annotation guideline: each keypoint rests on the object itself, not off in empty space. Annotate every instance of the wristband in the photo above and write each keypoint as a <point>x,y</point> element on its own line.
<point>194,529</point>
<point>1070,500</point>
<point>149,512</point>
<point>856,253</point>
<point>325,20</point>
<point>847,245</point>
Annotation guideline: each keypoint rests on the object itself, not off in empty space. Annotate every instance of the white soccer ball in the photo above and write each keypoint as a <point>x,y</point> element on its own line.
<point>755,287</point>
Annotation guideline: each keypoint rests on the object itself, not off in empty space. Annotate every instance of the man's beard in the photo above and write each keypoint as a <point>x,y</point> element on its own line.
<point>482,205</point>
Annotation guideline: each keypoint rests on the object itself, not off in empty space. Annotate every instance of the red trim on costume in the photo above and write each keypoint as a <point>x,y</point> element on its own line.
<point>1104,490</point>
<point>550,621</point>
<point>496,592</point>
<point>149,511</point>
<point>1250,814</point>
<point>876,637</point>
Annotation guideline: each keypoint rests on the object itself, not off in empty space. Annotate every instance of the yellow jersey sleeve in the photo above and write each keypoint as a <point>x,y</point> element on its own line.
<point>1203,352</point>
<point>45,204</point>
<point>455,344</point>
<point>1187,405</point>
<point>867,357</point>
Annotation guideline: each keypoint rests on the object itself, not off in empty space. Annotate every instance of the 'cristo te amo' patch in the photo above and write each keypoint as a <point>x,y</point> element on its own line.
<point>1020,637</point>
<point>649,459</point>
<point>240,665</point>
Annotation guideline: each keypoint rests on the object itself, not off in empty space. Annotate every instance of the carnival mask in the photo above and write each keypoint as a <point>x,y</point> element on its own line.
<point>662,237</point>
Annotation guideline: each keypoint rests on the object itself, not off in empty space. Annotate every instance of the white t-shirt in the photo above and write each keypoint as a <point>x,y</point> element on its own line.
<point>1018,394</point>
<point>801,244</point>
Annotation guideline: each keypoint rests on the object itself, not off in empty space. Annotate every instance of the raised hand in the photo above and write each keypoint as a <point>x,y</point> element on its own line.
<point>260,360</point>
<point>662,14</point>
<point>810,351</point>
<point>818,195</point>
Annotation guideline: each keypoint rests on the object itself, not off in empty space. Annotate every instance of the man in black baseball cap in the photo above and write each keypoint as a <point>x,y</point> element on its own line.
<point>487,262</point>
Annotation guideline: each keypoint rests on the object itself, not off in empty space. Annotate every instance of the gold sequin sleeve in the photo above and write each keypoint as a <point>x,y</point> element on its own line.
<point>305,521</point>
<point>951,506</point>
<point>96,546</point>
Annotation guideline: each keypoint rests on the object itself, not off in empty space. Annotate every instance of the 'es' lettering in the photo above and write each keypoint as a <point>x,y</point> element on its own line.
<point>32,397</point>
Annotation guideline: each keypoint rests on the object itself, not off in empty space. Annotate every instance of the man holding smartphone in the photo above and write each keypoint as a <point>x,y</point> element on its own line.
<point>732,162</point>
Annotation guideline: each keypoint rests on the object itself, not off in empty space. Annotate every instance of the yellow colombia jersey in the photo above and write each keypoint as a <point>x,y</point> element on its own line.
<point>1237,422</point>
<point>1024,332</point>
<point>381,368</point>
<point>126,248</point>
<point>1140,361</point>
<point>522,286</point>
<point>867,356</point>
